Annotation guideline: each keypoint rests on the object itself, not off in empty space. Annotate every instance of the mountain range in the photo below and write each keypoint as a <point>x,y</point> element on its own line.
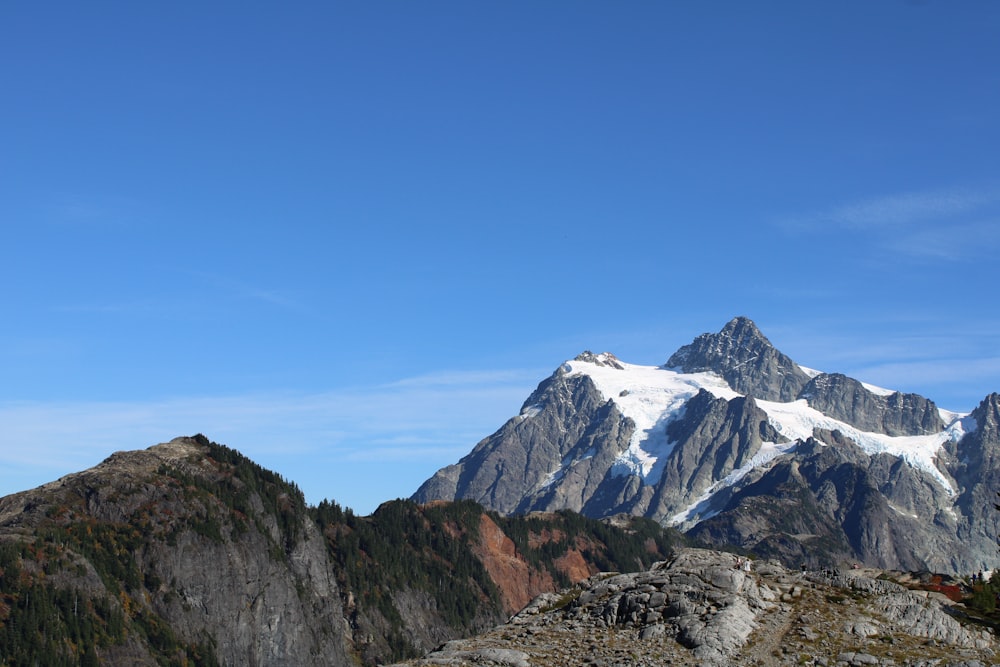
<point>734,443</point>
<point>187,552</point>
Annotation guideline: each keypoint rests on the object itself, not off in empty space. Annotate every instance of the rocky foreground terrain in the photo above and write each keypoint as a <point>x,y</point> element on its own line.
<point>700,609</point>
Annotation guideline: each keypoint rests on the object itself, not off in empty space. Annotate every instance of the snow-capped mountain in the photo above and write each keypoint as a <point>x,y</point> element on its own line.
<point>734,442</point>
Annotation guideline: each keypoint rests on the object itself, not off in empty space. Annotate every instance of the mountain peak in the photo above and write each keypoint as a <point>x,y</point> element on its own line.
<point>742,328</point>
<point>745,358</point>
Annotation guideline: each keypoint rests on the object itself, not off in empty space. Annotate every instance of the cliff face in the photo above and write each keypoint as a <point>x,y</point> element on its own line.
<point>189,551</point>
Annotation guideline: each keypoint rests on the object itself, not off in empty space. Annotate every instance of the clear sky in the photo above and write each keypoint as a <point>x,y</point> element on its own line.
<point>349,238</point>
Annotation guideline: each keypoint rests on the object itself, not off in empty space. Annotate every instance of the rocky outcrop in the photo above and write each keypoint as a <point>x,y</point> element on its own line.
<point>702,608</point>
<point>848,400</point>
<point>974,463</point>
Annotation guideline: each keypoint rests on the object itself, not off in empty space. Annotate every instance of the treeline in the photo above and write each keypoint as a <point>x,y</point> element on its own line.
<point>985,595</point>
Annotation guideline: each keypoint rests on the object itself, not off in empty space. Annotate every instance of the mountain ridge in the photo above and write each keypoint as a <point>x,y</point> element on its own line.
<point>599,434</point>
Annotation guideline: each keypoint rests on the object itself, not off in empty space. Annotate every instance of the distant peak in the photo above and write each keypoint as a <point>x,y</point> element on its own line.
<point>602,359</point>
<point>742,329</point>
<point>747,360</point>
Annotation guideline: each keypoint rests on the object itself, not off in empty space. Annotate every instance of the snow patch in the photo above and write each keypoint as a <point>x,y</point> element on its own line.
<point>961,423</point>
<point>902,512</point>
<point>879,391</point>
<point>564,466</point>
<point>797,420</point>
<point>531,411</point>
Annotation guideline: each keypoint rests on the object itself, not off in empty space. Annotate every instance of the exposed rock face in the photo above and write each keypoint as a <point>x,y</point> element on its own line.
<point>508,472</point>
<point>746,359</point>
<point>877,477</point>
<point>700,608</point>
<point>974,463</point>
<point>574,431</point>
<point>517,581</point>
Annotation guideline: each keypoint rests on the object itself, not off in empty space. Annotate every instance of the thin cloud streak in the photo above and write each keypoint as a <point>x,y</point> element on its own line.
<point>403,422</point>
<point>952,243</point>
<point>943,225</point>
<point>94,211</point>
<point>233,288</point>
<point>468,378</point>
<point>895,211</point>
<point>449,454</point>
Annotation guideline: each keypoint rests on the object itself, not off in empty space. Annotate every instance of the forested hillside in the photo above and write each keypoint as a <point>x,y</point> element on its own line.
<point>190,553</point>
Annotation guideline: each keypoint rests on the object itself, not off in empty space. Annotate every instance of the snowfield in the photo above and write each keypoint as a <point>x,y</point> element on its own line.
<point>652,396</point>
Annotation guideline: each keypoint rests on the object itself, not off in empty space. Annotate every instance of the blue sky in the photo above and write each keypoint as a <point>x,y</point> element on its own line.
<point>348,239</point>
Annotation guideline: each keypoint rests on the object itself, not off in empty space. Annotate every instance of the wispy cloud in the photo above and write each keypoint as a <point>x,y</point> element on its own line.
<point>948,243</point>
<point>94,210</point>
<point>468,378</point>
<point>903,210</point>
<point>940,225</point>
<point>240,289</point>
<point>407,429</point>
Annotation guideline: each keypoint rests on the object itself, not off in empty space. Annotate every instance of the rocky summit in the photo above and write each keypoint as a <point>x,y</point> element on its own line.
<point>704,608</point>
<point>734,443</point>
